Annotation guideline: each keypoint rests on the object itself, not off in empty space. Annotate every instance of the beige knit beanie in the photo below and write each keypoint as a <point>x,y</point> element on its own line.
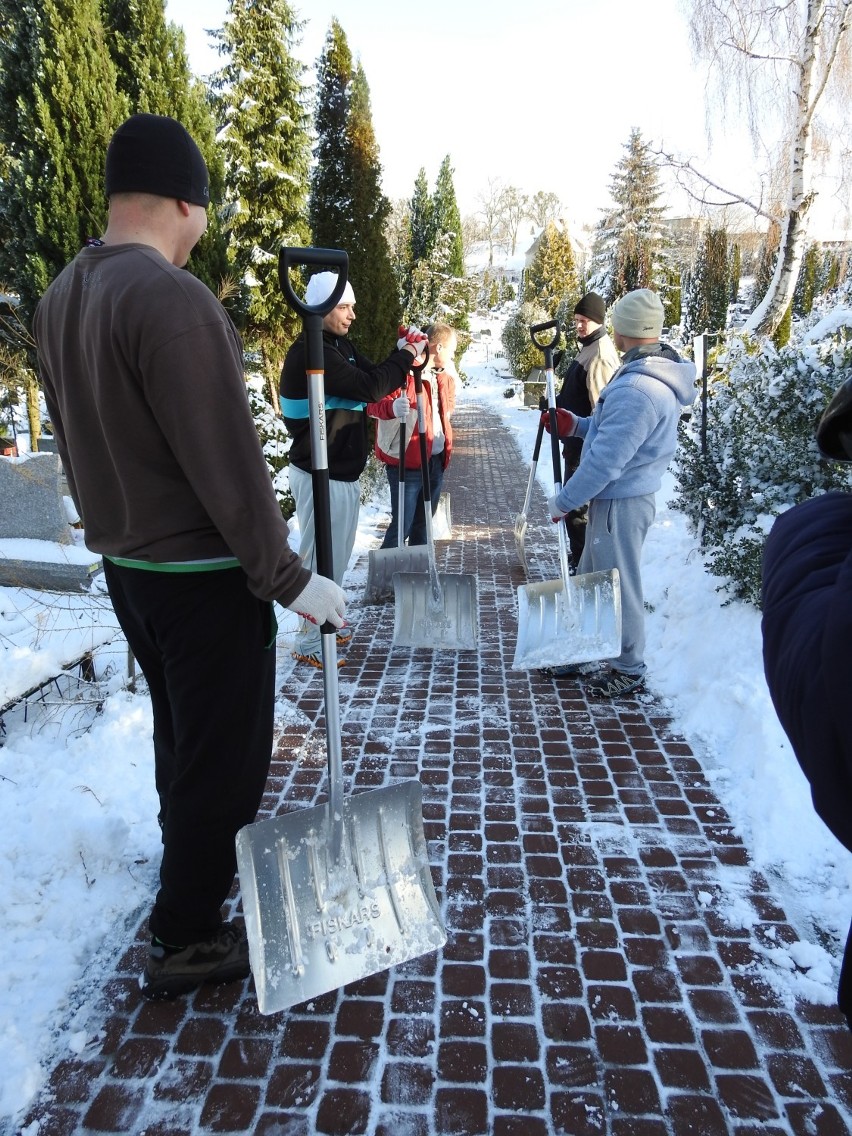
<point>638,315</point>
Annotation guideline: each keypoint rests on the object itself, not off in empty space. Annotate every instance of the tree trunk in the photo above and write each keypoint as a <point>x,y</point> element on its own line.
<point>769,313</point>
<point>33,412</point>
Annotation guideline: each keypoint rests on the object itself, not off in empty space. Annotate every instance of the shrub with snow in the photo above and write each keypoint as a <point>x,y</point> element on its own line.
<point>761,456</point>
<point>274,439</point>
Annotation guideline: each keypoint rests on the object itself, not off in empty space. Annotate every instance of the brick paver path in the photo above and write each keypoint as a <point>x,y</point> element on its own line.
<point>589,984</point>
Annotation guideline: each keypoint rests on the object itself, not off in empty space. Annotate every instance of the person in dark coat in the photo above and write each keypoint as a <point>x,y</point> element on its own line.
<point>351,381</point>
<point>807,630</point>
<point>589,372</point>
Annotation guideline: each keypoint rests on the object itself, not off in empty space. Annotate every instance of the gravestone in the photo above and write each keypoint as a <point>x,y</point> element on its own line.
<point>37,544</point>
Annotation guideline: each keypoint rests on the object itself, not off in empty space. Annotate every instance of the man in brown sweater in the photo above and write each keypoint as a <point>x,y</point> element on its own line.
<point>143,377</point>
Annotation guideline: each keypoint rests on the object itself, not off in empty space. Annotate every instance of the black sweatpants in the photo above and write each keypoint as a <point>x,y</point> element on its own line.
<point>206,647</point>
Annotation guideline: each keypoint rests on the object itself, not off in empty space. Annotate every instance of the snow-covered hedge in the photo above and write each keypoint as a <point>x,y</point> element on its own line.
<point>761,454</point>
<point>274,439</point>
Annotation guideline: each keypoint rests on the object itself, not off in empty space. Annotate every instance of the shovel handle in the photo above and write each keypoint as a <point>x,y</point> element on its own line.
<point>321,258</point>
<point>417,371</point>
<point>537,329</point>
<point>312,317</point>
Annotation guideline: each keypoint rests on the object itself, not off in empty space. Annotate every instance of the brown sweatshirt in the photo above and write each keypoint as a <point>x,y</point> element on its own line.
<point>143,378</point>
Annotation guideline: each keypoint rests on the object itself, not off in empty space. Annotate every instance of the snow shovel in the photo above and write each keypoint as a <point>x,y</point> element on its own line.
<point>442,522</point>
<point>521,518</point>
<point>436,610</point>
<point>577,618</point>
<point>383,562</point>
<point>343,890</point>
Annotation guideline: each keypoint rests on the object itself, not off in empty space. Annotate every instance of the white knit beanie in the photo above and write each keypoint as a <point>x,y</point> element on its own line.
<point>638,315</point>
<point>322,285</point>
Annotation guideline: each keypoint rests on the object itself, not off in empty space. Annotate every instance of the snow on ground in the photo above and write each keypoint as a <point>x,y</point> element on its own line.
<point>79,843</point>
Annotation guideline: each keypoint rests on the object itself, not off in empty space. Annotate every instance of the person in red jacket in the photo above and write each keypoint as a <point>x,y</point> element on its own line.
<point>439,391</point>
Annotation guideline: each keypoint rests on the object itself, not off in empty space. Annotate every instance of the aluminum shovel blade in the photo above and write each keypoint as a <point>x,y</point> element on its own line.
<point>383,563</point>
<point>442,522</point>
<point>440,614</point>
<point>314,925</point>
<point>558,626</point>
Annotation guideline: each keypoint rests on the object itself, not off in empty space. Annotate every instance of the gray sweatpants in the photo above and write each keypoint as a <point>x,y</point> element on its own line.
<point>345,502</point>
<point>615,534</point>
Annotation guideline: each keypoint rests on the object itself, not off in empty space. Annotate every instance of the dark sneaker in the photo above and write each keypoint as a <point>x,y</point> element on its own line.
<point>614,684</point>
<point>314,660</point>
<point>169,973</point>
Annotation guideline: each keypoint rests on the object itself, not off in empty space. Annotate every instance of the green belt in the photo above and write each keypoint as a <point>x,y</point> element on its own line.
<point>176,565</point>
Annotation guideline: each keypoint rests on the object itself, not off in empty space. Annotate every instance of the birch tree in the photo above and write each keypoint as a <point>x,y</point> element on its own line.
<point>788,60</point>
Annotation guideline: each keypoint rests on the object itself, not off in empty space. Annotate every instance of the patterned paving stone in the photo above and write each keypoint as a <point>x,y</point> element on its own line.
<point>591,984</point>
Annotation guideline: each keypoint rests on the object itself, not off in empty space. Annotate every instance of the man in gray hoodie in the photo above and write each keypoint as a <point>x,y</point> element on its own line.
<point>628,441</point>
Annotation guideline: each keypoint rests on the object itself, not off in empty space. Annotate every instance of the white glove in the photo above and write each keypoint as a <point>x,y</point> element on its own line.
<point>401,407</point>
<point>556,514</point>
<point>320,601</point>
<point>412,338</point>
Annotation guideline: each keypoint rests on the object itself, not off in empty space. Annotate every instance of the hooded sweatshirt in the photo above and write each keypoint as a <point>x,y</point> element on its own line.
<point>631,435</point>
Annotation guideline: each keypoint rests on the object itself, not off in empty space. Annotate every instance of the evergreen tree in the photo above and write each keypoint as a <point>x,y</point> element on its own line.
<point>153,72</point>
<point>265,141</point>
<point>552,275</point>
<point>672,295</point>
<point>766,263</point>
<point>445,219</point>
<point>808,284</point>
<point>630,241</point>
<point>329,222</point>
<point>59,105</point>
<point>706,305</point>
<point>734,273</point>
<point>398,232</point>
<point>347,208</point>
<point>420,211</point>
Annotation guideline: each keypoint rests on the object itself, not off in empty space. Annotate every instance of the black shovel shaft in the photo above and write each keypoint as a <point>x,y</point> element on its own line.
<point>400,494</point>
<point>538,436</point>
<point>312,317</point>
<point>421,429</point>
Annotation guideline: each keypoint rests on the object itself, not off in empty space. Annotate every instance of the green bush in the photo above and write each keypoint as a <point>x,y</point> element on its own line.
<point>521,352</point>
<point>763,408</point>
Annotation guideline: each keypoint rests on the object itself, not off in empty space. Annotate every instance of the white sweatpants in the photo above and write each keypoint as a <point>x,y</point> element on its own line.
<point>345,502</point>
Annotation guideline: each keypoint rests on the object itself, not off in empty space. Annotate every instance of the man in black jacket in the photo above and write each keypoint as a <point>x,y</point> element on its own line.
<point>807,629</point>
<point>593,367</point>
<point>350,382</point>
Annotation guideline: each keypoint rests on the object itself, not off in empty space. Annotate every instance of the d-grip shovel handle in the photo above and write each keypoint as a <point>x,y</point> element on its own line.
<point>312,317</point>
<point>535,330</point>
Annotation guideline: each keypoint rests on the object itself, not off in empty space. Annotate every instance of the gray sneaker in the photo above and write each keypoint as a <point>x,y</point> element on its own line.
<point>575,670</point>
<point>615,684</point>
<point>169,973</point>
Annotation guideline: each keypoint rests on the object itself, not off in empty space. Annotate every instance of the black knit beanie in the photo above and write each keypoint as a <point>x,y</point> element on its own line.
<point>592,307</point>
<point>150,153</point>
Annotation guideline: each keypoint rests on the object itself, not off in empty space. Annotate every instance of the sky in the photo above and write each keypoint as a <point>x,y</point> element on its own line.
<point>542,98</point>
<point>79,842</point>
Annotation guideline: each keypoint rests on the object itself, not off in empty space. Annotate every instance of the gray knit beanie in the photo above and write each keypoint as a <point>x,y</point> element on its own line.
<point>638,315</point>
